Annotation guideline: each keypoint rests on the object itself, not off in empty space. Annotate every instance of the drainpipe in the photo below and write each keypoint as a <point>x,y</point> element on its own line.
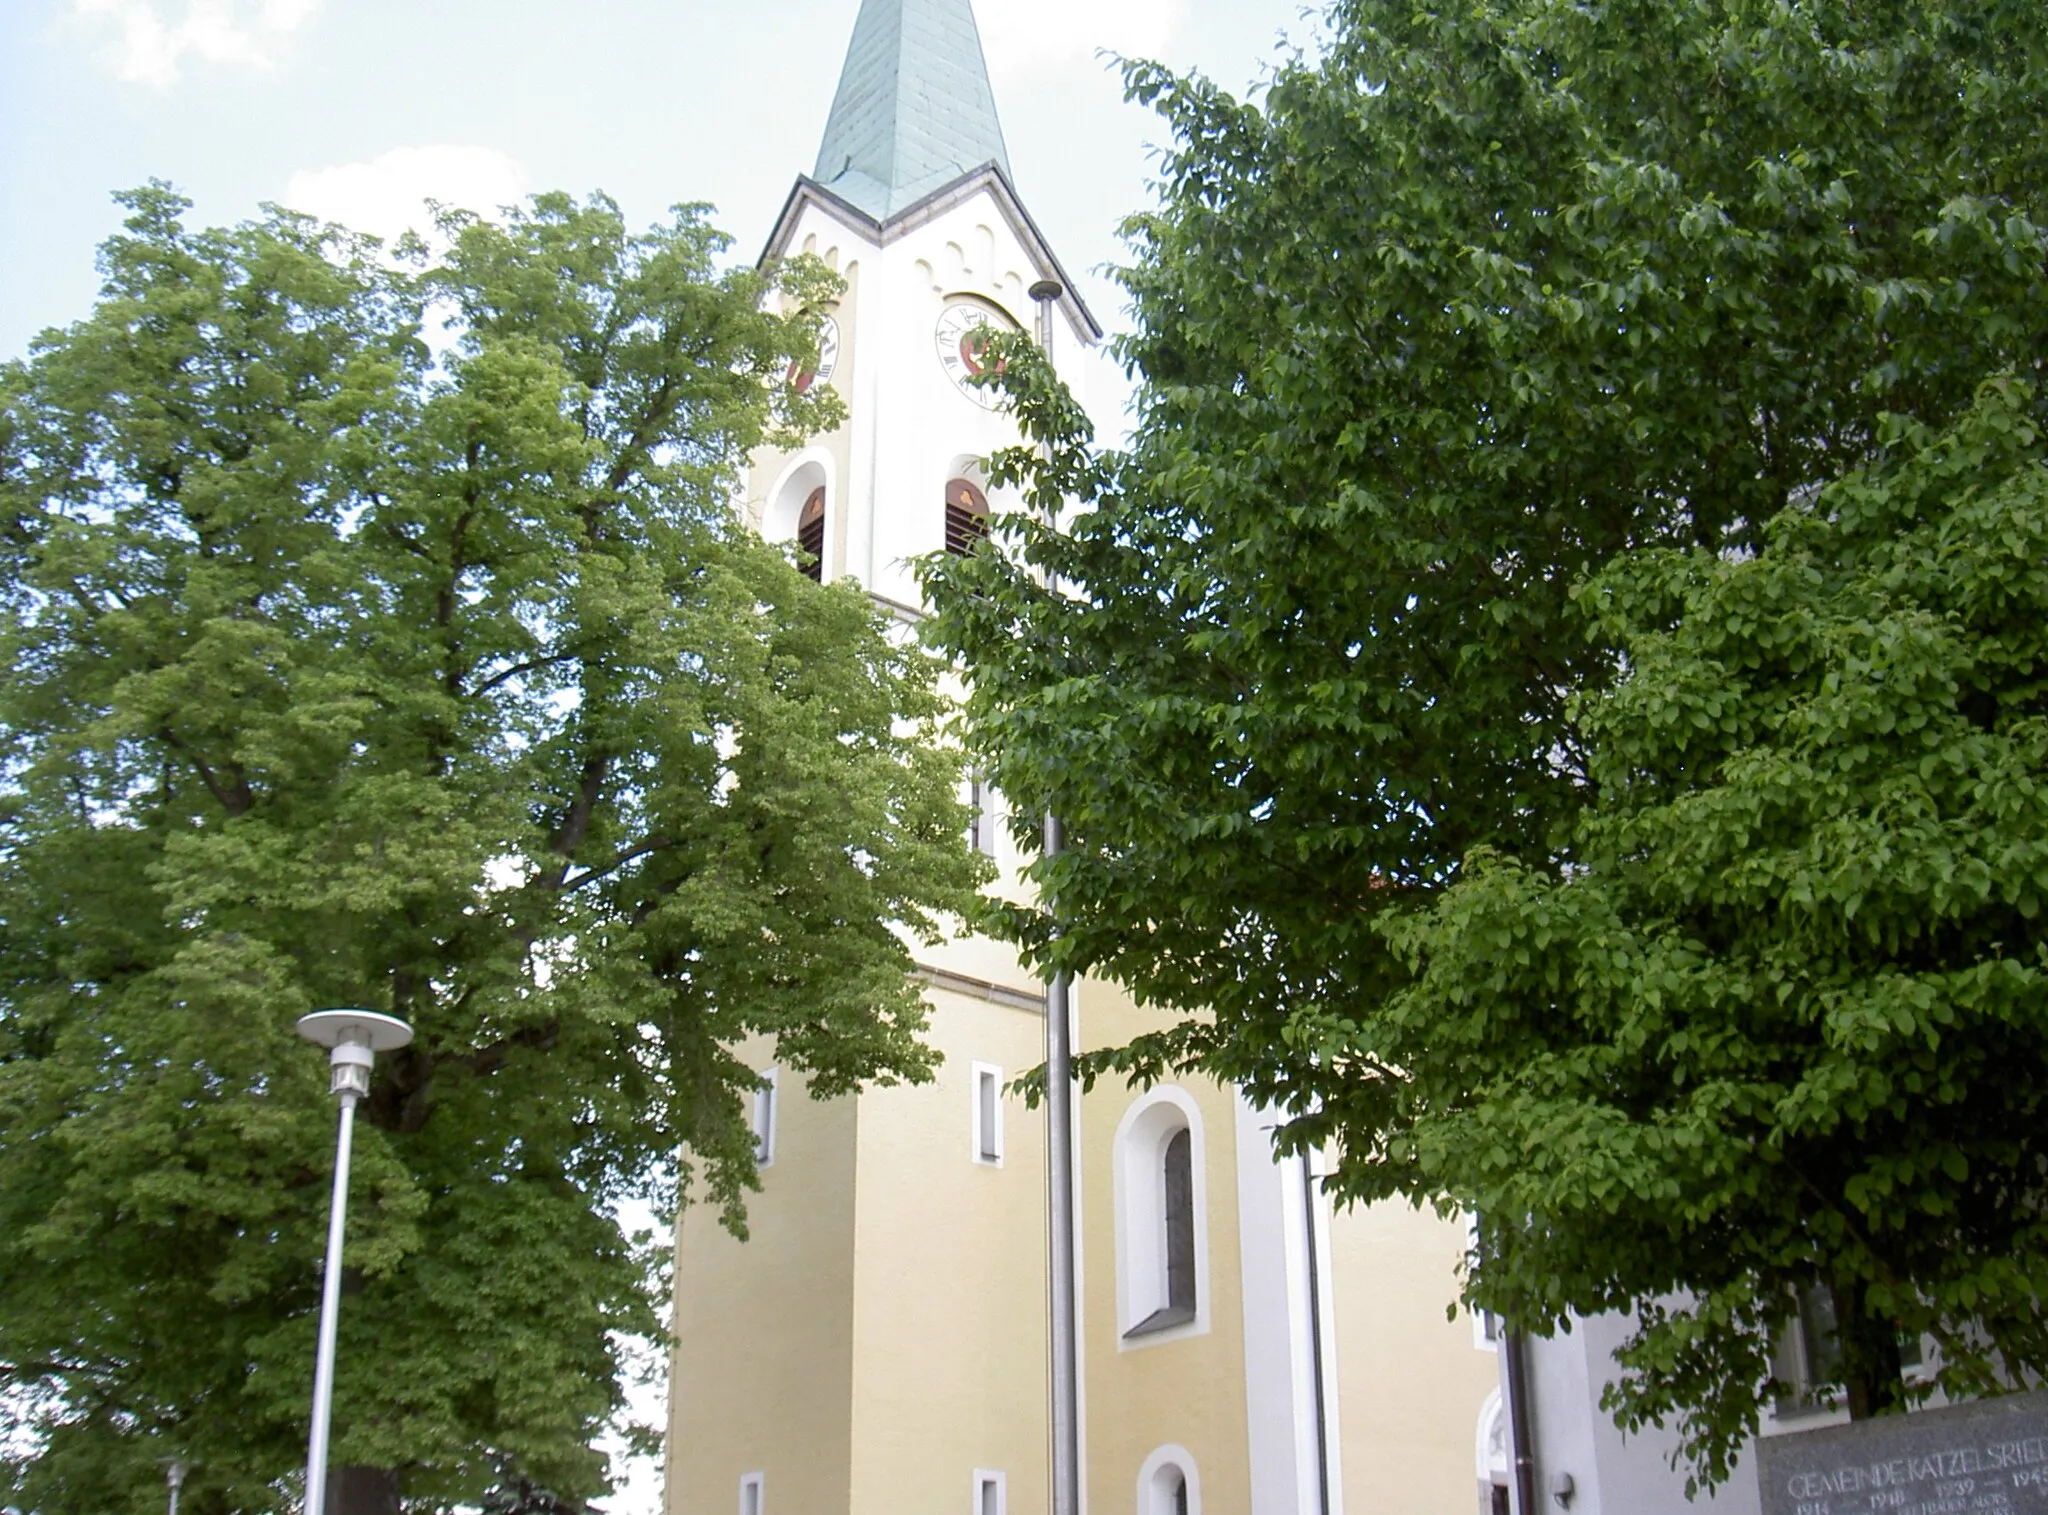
<point>1317,1389</point>
<point>1064,1354</point>
<point>1513,1348</point>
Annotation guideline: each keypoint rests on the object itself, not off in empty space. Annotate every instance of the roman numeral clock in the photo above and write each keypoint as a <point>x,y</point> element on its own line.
<point>962,336</point>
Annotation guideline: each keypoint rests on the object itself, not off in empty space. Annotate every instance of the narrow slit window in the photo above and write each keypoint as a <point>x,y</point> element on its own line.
<point>988,1493</point>
<point>1180,1226</point>
<point>981,820</point>
<point>988,1113</point>
<point>1168,1488</point>
<point>966,517</point>
<point>810,536</point>
<point>764,1118</point>
<point>750,1495</point>
<point>1160,1262</point>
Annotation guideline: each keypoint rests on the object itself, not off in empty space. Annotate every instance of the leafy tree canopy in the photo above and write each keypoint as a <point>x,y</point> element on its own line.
<point>1784,1027</point>
<point>339,670</point>
<point>1489,300</point>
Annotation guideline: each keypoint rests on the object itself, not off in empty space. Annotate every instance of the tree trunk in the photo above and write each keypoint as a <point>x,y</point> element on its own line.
<point>358,1490</point>
<point>1871,1370</point>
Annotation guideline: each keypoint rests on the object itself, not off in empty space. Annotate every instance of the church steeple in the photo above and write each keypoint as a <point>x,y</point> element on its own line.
<point>914,111</point>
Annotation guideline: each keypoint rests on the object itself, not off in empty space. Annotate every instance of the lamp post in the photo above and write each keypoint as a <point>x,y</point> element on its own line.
<point>353,1039</point>
<point>174,1475</point>
<point>1059,1137</point>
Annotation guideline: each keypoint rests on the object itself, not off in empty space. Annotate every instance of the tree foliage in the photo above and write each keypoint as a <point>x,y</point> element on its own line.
<point>339,671</point>
<point>1484,298</point>
<point>1785,1023</point>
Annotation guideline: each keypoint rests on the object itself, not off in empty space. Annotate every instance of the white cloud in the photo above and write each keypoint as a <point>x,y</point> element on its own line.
<point>150,45</point>
<point>387,195</point>
<point>1023,35</point>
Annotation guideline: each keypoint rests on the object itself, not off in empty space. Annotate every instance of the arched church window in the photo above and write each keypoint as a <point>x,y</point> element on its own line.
<point>810,535</point>
<point>1492,1454</point>
<point>1168,1484</point>
<point>1179,1177</point>
<point>1158,1202</point>
<point>966,516</point>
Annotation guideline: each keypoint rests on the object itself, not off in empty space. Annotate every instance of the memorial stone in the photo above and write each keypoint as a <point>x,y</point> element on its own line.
<point>1991,1455</point>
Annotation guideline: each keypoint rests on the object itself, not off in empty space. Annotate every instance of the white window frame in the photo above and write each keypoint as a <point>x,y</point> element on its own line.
<point>985,1145</point>
<point>754,1484</point>
<point>1138,1177</point>
<point>813,468</point>
<point>985,1478</point>
<point>981,815</point>
<point>1489,1444</point>
<point>1485,1330</point>
<point>767,1102</point>
<point>1154,1491</point>
<point>1485,1325</point>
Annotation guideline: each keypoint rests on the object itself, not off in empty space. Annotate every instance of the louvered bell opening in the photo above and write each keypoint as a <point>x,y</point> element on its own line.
<point>964,530</point>
<point>810,537</point>
<point>966,517</point>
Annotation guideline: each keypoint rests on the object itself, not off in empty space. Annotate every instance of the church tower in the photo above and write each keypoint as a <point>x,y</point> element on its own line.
<point>911,204</point>
<point>879,1345</point>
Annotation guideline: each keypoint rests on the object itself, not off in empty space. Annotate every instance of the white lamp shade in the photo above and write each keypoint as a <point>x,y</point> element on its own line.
<point>362,1028</point>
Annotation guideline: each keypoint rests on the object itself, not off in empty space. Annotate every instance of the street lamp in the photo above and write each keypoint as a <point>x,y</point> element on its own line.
<point>354,1038</point>
<point>174,1475</point>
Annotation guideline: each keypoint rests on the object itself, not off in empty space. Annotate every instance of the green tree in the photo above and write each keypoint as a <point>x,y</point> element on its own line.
<point>1483,296</point>
<point>1784,1026</point>
<point>339,672</point>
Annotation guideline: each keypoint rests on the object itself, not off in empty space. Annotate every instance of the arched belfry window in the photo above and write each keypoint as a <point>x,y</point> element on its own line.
<point>966,516</point>
<point>810,535</point>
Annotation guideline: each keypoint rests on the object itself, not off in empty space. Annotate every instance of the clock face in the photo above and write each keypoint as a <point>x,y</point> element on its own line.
<point>801,379</point>
<point>963,332</point>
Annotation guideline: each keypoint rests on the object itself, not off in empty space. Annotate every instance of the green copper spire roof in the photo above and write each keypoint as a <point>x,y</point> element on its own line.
<point>914,110</point>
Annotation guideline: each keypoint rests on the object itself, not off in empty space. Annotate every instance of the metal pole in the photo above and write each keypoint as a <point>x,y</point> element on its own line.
<point>353,1038</point>
<point>1317,1387</point>
<point>1059,1160</point>
<point>174,1474</point>
<point>330,1313</point>
<point>1063,1349</point>
<point>1513,1347</point>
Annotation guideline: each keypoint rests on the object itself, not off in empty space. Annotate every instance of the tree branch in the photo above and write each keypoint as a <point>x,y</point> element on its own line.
<point>576,824</point>
<point>236,798</point>
<point>590,875</point>
<point>518,668</point>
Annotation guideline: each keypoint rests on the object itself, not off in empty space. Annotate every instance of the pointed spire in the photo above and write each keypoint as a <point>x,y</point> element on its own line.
<point>914,110</point>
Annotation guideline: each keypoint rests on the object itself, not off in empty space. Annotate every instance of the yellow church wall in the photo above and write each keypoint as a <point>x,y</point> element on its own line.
<point>762,1366</point>
<point>949,1318</point>
<point>1412,1383</point>
<point>1184,1390</point>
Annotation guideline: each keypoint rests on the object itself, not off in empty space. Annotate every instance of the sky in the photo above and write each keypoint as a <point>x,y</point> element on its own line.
<point>358,109</point>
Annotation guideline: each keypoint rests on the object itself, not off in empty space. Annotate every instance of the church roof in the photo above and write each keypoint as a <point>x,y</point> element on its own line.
<point>914,109</point>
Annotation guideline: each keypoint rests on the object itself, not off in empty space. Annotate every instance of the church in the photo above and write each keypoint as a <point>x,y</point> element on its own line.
<point>879,1345</point>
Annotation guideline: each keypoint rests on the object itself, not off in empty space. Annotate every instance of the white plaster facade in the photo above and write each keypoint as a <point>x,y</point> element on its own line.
<point>910,427</point>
